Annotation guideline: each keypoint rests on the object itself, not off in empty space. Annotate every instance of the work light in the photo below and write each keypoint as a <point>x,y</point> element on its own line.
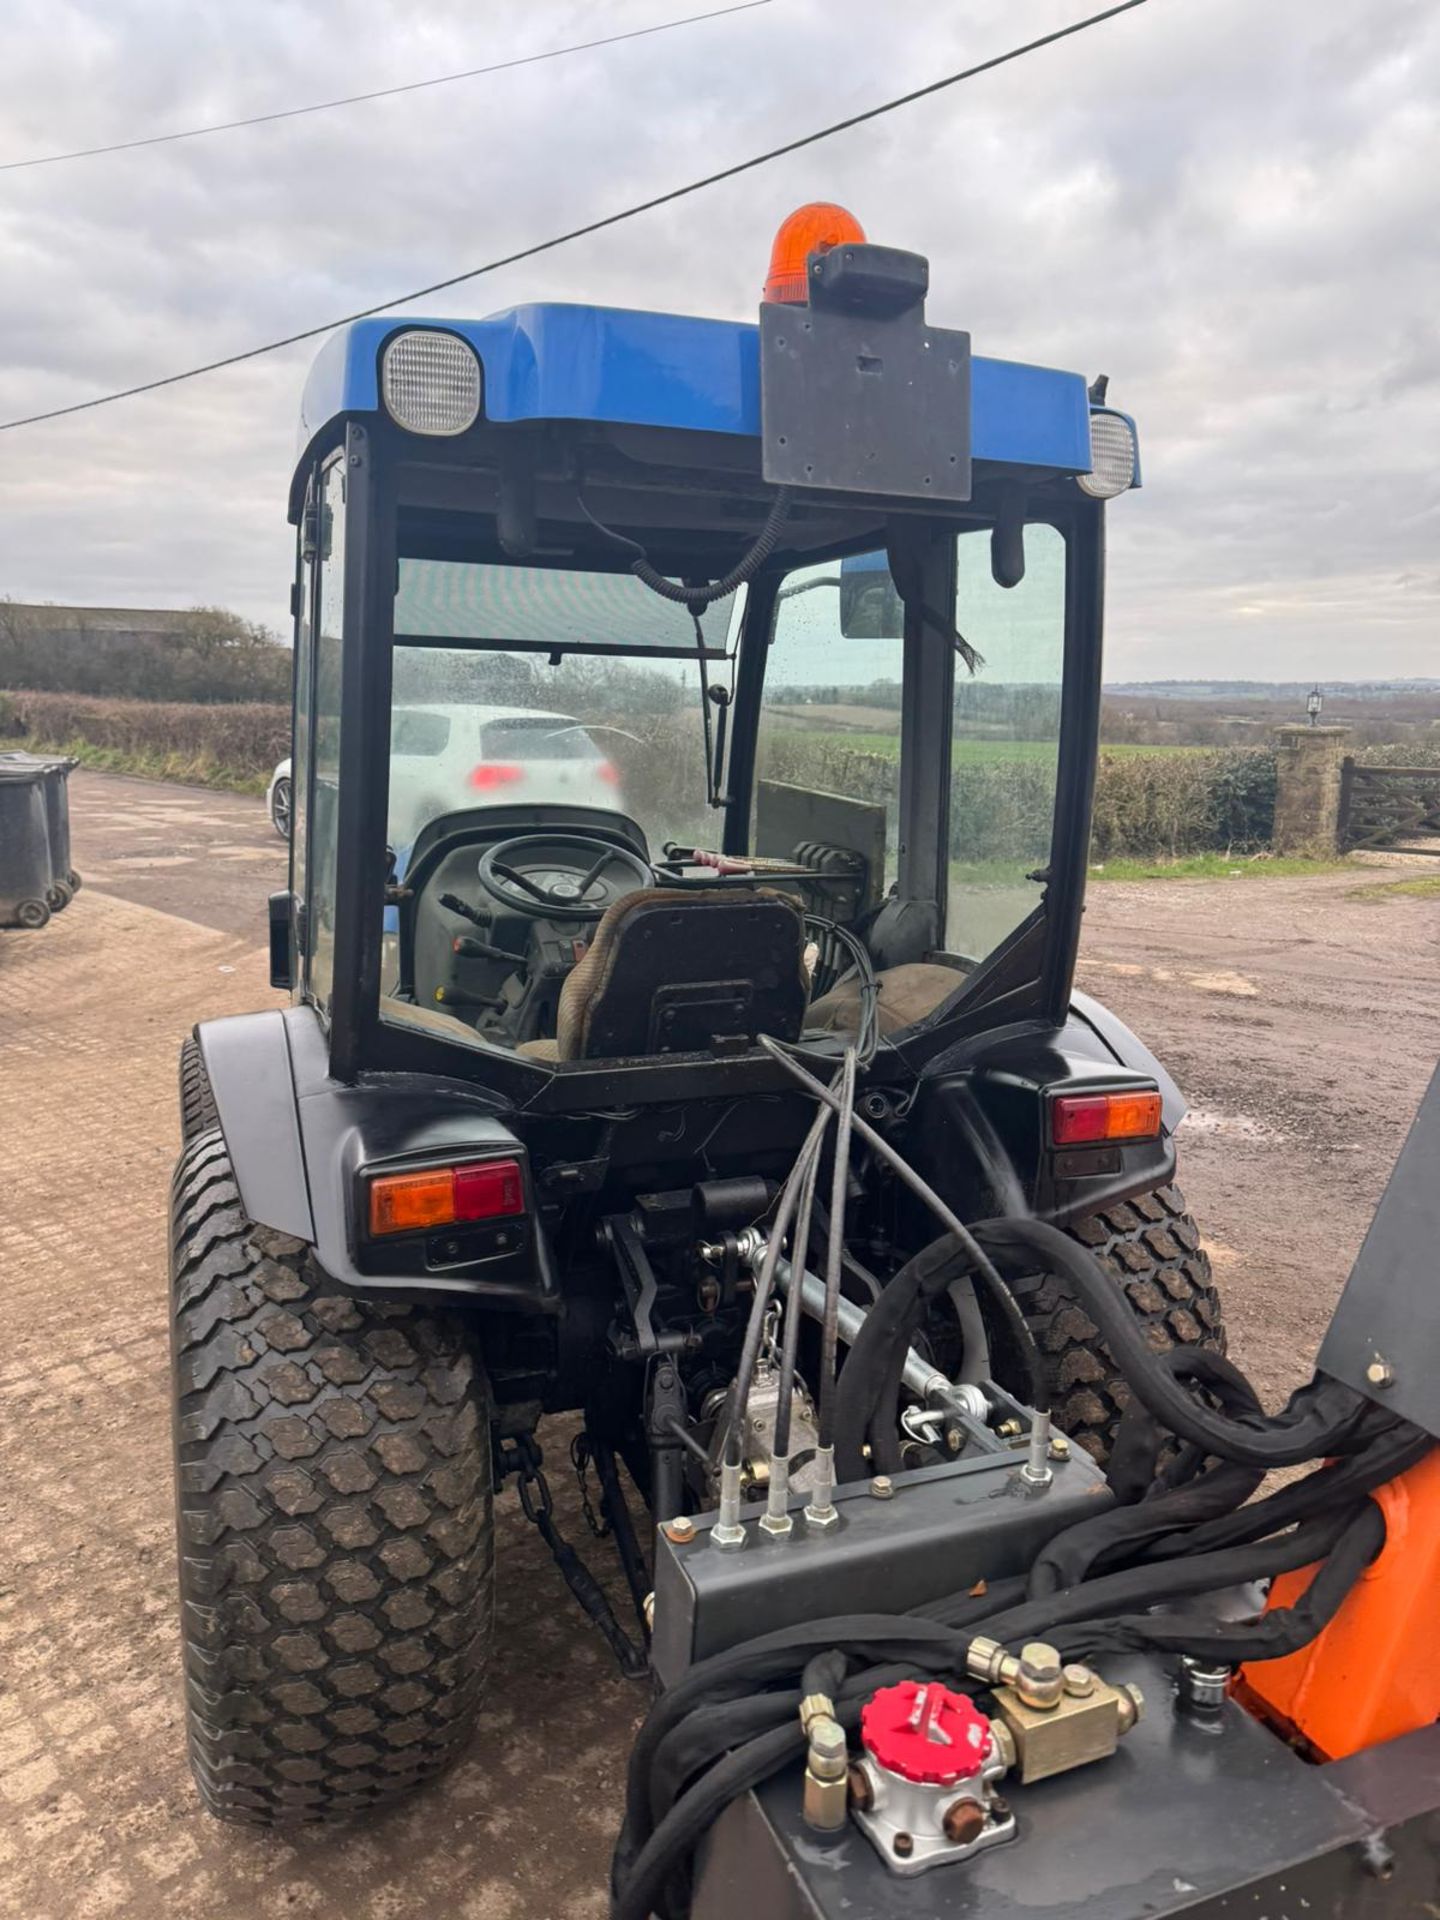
<point>431,381</point>
<point>1112,456</point>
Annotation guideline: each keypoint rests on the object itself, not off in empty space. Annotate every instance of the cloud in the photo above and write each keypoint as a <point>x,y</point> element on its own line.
<point>1229,209</point>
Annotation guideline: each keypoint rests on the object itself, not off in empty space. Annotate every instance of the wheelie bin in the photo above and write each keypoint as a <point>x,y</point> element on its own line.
<point>64,880</point>
<point>26,878</point>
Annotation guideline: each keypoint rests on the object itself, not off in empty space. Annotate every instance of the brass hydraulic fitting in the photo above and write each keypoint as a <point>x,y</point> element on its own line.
<point>826,1798</point>
<point>1036,1675</point>
<point>1040,1682</point>
<point>815,1706</point>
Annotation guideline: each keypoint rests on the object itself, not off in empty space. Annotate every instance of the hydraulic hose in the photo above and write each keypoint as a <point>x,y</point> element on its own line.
<point>921,1188</point>
<point>835,1251</point>
<point>765,1280</point>
<point>1320,1417</point>
<point>867,1399</point>
<point>794,1312</point>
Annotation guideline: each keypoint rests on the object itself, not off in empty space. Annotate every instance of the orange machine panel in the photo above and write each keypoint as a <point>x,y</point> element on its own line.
<point>1374,1672</point>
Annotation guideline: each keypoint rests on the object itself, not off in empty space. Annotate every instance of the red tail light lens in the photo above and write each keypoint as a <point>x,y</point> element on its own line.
<point>493,1190</point>
<point>1084,1119</point>
<point>446,1196</point>
<point>491,774</point>
<point>609,774</point>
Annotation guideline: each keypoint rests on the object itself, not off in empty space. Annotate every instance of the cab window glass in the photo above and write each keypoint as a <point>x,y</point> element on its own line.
<point>1006,743</point>
<point>830,722</point>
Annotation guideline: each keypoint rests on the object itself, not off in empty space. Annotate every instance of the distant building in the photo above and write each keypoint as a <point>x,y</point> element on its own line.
<point>145,623</point>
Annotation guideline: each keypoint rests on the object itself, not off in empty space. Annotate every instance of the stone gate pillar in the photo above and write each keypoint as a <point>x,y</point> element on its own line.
<point>1307,790</point>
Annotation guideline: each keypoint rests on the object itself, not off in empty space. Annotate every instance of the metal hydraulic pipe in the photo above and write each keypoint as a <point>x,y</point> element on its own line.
<point>921,1376</point>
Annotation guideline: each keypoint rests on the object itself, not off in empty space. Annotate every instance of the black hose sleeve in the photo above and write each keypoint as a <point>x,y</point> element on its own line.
<point>884,1331</point>
<point>638,1886</point>
<point>825,1673</point>
<point>708,1732</point>
<point>1320,1417</point>
<point>1319,1492</point>
<point>1134,1470</point>
<point>1281,1631</point>
<point>867,1400</point>
<point>1074,1555</point>
<point>1179,1578</point>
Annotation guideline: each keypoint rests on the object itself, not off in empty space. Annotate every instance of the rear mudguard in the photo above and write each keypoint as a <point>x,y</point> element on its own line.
<point>297,1140</point>
<point>977,1126</point>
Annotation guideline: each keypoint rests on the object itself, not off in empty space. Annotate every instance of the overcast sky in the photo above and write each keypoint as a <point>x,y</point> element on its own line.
<point>1230,206</point>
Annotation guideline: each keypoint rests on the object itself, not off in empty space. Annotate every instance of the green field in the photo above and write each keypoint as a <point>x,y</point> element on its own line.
<point>966,750</point>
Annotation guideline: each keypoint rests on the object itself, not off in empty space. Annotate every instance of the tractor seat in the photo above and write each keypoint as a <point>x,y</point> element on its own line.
<point>907,994</point>
<point>673,972</point>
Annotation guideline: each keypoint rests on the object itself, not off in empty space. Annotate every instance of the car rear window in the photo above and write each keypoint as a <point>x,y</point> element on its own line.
<point>421,735</point>
<point>545,737</point>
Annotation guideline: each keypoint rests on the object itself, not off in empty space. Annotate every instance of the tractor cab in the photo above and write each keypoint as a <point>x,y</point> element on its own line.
<point>662,682</point>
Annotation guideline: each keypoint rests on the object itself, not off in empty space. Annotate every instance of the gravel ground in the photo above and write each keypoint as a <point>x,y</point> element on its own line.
<point>1299,1015</point>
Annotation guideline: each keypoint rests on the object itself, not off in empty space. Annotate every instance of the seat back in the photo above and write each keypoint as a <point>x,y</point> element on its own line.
<point>674,972</point>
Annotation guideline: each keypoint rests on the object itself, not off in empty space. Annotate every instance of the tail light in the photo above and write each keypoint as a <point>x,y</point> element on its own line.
<point>1085,1119</point>
<point>608,773</point>
<point>491,774</point>
<point>445,1197</point>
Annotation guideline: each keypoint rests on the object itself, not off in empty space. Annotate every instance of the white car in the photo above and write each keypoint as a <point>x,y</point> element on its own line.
<point>279,799</point>
<point>446,757</point>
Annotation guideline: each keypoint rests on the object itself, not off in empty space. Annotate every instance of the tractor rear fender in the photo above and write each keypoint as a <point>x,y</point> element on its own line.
<point>298,1140</point>
<point>1130,1051</point>
<point>979,1126</point>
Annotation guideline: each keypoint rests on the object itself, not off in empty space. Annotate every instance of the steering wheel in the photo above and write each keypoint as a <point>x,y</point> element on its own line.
<point>568,875</point>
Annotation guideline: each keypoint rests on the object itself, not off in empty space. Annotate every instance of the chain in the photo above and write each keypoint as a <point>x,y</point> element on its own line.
<point>580,1460</point>
<point>770,1338</point>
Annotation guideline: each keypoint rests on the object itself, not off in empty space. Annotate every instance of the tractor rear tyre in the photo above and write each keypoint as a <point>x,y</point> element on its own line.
<point>334,1500</point>
<point>197,1103</point>
<point>1152,1248</point>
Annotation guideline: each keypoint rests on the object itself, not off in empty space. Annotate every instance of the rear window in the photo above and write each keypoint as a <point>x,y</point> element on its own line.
<point>543,737</point>
<point>418,735</point>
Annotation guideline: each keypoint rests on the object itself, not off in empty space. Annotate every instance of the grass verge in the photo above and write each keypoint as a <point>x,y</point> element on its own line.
<point>1421,886</point>
<point>190,769</point>
<point>1215,866</point>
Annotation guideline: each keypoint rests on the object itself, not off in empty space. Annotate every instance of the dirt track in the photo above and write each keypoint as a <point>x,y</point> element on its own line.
<point>1301,1016</point>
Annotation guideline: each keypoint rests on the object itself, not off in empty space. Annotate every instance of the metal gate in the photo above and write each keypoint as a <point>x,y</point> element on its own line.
<point>1389,807</point>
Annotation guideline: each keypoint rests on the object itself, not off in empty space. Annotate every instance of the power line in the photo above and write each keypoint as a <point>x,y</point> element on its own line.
<point>580,233</point>
<point>378,93</point>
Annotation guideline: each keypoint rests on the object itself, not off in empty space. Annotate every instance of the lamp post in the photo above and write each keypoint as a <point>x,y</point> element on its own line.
<point>1314,701</point>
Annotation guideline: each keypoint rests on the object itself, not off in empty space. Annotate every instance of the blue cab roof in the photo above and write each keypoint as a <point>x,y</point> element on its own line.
<point>556,361</point>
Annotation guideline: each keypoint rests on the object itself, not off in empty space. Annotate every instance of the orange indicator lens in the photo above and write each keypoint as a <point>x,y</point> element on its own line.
<point>411,1202</point>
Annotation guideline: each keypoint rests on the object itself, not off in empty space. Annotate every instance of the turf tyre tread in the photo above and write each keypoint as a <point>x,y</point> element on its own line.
<point>335,1518</point>
<point>197,1103</point>
<point>1151,1247</point>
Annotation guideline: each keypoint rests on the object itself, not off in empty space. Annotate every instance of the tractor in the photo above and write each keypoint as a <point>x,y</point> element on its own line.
<point>695,729</point>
